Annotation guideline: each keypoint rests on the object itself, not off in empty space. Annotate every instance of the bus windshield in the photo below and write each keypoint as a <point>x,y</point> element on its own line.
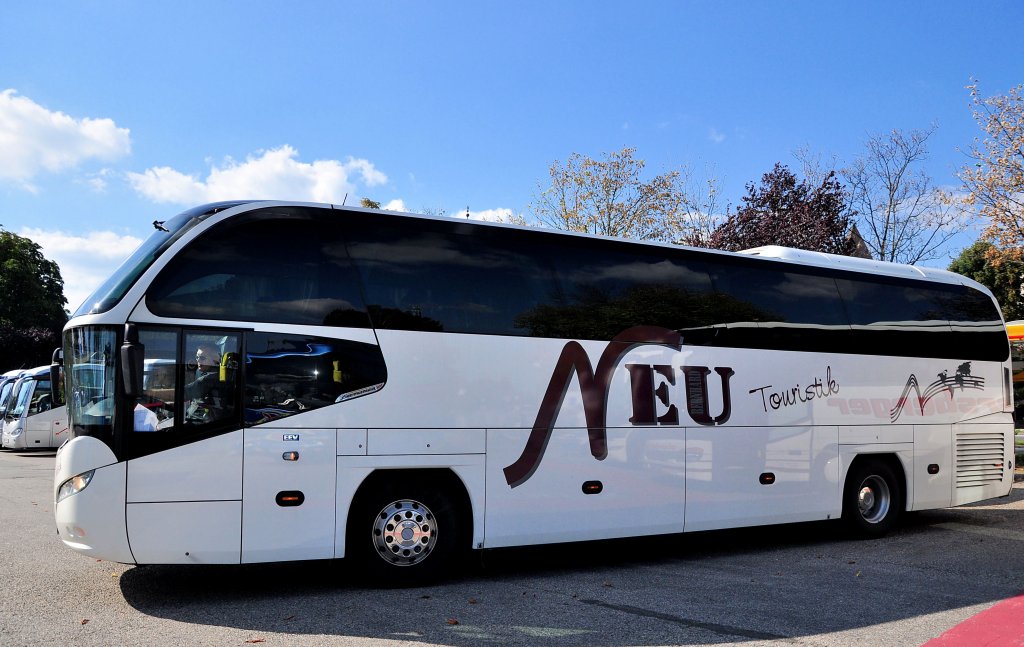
<point>89,362</point>
<point>21,398</point>
<point>114,288</point>
<point>5,393</point>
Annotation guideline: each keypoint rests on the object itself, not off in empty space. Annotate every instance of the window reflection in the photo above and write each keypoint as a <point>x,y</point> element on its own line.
<point>211,378</point>
<point>289,374</point>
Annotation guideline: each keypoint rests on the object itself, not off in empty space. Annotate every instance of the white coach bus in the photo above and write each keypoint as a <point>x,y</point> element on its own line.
<point>277,381</point>
<point>35,417</point>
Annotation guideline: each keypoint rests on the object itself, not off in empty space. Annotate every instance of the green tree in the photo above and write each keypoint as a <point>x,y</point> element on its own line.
<point>1002,276</point>
<point>31,303</point>
<point>369,204</point>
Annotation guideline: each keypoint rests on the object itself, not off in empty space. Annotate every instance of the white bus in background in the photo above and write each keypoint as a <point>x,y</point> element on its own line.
<point>36,417</point>
<point>7,381</point>
<point>402,389</point>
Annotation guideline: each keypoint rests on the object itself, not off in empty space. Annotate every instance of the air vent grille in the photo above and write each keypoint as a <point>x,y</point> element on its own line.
<point>979,458</point>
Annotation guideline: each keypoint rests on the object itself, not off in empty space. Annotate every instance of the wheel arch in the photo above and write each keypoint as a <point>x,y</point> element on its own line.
<point>899,458</point>
<point>430,477</point>
<point>881,467</point>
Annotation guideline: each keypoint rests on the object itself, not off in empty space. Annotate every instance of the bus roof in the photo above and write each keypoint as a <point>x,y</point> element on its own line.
<point>869,265</point>
<point>37,372</point>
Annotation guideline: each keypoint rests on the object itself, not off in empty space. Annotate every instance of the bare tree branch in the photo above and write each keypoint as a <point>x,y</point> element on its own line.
<point>904,218</point>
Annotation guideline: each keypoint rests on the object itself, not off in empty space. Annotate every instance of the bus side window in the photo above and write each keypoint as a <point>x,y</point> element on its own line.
<point>40,404</point>
<point>154,409</point>
<point>288,374</point>
<point>210,390</point>
<point>278,265</point>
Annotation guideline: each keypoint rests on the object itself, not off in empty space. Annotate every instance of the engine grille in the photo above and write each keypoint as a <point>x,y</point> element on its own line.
<point>979,458</point>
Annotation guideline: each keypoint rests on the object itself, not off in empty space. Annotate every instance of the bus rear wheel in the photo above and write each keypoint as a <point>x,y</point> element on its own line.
<point>873,499</point>
<point>402,535</point>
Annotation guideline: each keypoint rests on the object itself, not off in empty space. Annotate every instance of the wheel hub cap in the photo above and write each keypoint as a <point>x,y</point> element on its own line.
<point>866,500</point>
<point>873,499</point>
<point>404,532</point>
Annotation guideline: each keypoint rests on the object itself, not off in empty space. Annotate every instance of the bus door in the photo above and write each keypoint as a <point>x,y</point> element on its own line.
<point>184,445</point>
<point>46,425</point>
<point>290,446</point>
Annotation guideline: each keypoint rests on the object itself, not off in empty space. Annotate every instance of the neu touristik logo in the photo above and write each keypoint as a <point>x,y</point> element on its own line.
<point>596,382</point>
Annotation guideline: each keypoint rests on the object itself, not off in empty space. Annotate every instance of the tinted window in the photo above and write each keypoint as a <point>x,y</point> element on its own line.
<point>448,276</point>
<point>893,317</point>
<point>282,266</point>
<point>764,305</point>
<point>604,288</point>
<point>289,374</point>
<point>445,277</point>
<point>885,304</point>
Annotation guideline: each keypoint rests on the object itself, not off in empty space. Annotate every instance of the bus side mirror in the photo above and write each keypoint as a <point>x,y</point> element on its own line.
<point>132,354</point>
<point>56,383</point>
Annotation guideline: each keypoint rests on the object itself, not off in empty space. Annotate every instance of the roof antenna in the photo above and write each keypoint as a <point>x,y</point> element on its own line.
<point>159,225</point>
<point>344,200</point>
<point>467,212</point>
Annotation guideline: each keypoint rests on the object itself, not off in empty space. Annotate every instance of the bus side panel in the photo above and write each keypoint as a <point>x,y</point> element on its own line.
<point>185,504</point>
<point>932,447</point>
<point>207,470</point>
<point>391,442</point>
<point>47,429</point>
<point>288,494</point>
<point>641,487</point>
<point>745,476</point>
<point>190,532</point>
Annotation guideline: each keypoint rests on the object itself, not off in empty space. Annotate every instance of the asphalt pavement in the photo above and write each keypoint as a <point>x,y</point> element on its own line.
<point>803,584</point>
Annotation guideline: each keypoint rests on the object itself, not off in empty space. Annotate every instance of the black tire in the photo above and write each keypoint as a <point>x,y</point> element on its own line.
<point>873,499</point>
<point>403,533</point>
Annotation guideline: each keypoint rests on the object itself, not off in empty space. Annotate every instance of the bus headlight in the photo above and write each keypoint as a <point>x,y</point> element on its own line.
<point>74,485</point>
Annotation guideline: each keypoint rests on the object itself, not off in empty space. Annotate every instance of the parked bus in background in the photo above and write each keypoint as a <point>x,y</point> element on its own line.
<point>278,381</point>
<point>7,381</point>
<point>36,417</point>
<point>1015,330</point>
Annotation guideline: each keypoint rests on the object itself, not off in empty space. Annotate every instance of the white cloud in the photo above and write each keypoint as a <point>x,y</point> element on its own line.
<point>274,174</point>
<point>396,205</point>
<point>84,261</point>
<point>715,135</point>
<point>97,182</point>
<point>488,215</point>
<point>34,139</point>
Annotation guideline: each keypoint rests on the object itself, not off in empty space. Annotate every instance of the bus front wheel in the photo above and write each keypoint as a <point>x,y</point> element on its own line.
<point>873,498</point>
<point>401,535</point>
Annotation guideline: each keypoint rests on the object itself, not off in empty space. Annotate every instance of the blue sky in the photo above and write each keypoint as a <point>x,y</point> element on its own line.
<point>114,114</point>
